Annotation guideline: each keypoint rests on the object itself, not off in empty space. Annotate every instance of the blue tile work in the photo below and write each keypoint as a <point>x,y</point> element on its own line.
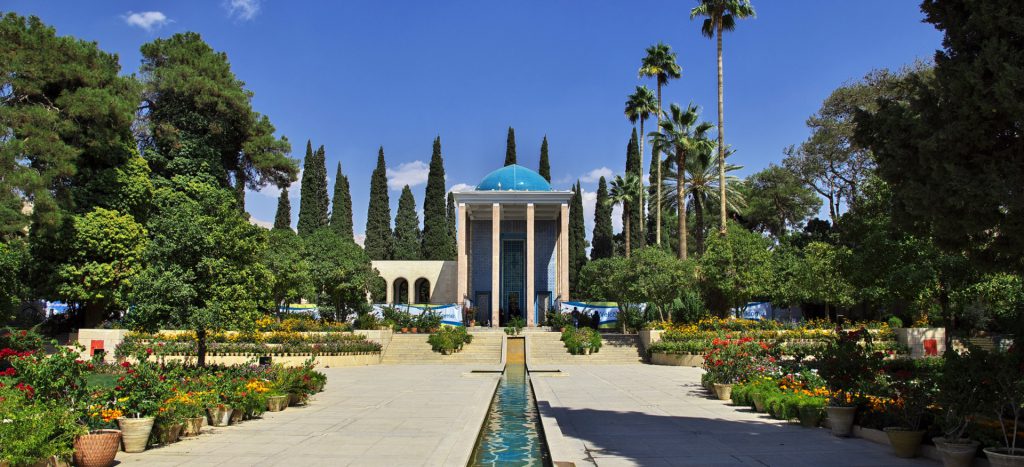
<point>546,237</point>
<point>545,234</point>
<point>480,256</point>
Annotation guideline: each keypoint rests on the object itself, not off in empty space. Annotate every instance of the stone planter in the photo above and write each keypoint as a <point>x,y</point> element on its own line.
<point>810,417</point>
<point>959,453</point>
<point>296,399</point>
<point>841,419</point>
<point>168,433</point>
<point>135,433</point>
<point>191,426</point>
<point>219,415</point>
<point>97,449</point>
<point>905,443</point>
<point>236,416</point>
<point>277,403</point>
<point>758,402</point>
<point>1002,457</point>
<point>723,391</point>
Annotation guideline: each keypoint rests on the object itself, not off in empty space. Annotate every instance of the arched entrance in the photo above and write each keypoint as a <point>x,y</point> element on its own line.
<point>422,288</point>
<point>400,290</point>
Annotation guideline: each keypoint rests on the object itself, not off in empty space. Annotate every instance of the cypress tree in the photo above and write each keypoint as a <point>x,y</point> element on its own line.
<point>341,207</point>
<point>379,242</point>
<point>436,236</point>
<point>510,147</point>
<point>603,237</point>
<point>545,165</point>
<point>453,222</point>
<point>633,159</point>
<point>577,238</point>
<point>313,201</point>
<point>283,216</point>
<point>407,228</point>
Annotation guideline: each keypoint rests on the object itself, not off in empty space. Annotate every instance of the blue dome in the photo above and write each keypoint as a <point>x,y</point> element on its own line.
<point>513,177</point>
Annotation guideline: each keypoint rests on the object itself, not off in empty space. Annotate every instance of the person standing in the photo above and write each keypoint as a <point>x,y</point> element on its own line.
<point>575,318</point>
<point>596,323</point>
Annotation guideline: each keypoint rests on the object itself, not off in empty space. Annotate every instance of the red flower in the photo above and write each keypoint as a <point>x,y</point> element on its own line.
<point>149,351</point>
<point>25,388</point>
<point>9,372</point>
<point>126,364</point>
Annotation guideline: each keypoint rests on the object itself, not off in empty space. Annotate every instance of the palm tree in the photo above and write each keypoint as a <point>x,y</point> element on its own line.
<point>721,16</point>
<point>703,189</point>
<point>624,191</point>
<point>659,63</point>
<point>680,135</point>
<point>639,106</point>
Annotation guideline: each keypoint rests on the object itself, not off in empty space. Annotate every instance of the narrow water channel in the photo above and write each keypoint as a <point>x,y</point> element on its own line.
<point>512,434</point>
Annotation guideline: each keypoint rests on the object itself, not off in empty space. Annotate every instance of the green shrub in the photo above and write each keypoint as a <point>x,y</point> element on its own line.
<point>449,339</point>
<point>515,326</point>
<point>34,429</point>
<point>578,341</point>
<point>895,322</point>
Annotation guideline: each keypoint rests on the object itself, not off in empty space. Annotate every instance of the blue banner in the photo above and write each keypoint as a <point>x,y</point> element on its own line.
<point>451,314</point>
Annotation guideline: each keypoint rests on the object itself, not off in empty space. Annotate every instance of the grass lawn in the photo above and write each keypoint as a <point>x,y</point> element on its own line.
<point>101,381</point>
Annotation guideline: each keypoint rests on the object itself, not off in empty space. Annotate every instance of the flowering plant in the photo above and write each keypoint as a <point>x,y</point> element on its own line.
<point>101,411</point>
<point>735,360</point>
<point>141,390</point>
<point>848,364</point>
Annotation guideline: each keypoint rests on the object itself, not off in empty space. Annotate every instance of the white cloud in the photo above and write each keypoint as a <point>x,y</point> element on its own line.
<point>410,173</point>
<point>360,239</point>
<point>594,175</point>
<point>458,187</point>
<point>261,223</point>
<point>272,191</point>
<point>244,10</point>
<point>148,20</point>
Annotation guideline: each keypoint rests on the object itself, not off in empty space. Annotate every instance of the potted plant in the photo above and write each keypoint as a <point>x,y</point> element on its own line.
<point>959,397</point>
<point>913,391</point>
<point>276,401</point>
<point>139,395</point>
<point>99,446</point>
<point>846,366</point>
<point>1003,390</point>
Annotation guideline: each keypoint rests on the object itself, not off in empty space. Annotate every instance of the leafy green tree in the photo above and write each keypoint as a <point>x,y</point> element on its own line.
<point>283,216</point>
<point>453,221</point>
<point>820,279</point>
<point>510,147</point>
<point>437,242</point>
<point>201,121</point>
<point>660,64</point>
<point>624,192</point>
<point>544,169</point>
<point>652,276</point>
<point>204,271</point>
<point>14,259</point>
<point>680,135</point>
<point>603,246</point>
<point>577,238</point>
<point>313,202</point>
<point>407,228</point>
<point>380,242</point>
<point>951,149</point>
<point>721,16</point>
<point>737,267</point>
<point>634,165</point>
<point>285,257</point>
<point>108,253</point>
<point>341,272</point>
<point>66,115</point>
<point>341,207</point>
<point>777,201</point>
<point>702,191</point>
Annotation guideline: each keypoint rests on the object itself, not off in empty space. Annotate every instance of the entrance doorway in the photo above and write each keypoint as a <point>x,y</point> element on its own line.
<point>513,280</point>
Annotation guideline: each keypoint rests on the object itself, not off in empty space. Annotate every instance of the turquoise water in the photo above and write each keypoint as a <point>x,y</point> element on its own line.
<point>512,435</point>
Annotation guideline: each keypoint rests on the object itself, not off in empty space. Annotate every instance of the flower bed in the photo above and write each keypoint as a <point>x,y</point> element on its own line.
<point>249,345</point>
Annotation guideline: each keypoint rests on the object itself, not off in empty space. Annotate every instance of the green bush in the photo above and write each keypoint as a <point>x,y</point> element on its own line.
<point>34,429</point>
<point>578,341</point>
<point>515,326</point>
<point>895,322</point>
<point>449,339</point>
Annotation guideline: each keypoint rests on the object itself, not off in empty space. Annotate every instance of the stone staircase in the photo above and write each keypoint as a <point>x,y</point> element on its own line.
<point>413,349</point>
<point>545,349</point>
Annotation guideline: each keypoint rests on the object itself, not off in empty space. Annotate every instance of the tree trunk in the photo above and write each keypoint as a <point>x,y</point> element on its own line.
<point>640,202</point>
<point>721,134</point>
<point>657,207</point>
<point>681,199</point>
<point>698,209</point>
<point>240,188</point>
<point>625,232</point>
<point>201,347</point>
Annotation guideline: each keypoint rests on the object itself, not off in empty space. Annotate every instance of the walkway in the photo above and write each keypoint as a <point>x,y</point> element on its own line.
<point>367,416</point>
<point>658,415</point>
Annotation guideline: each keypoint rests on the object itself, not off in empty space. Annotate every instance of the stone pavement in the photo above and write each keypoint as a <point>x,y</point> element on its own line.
<point>650,415</point>
<point>374,415</point>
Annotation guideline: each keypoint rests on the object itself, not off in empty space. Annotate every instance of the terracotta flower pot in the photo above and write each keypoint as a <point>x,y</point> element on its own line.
<point>135,433</point>
<point>97,449</point>
<point>841,419</point>
<point>723,391</point>
<point>905,443</point>
<point>192,426</point>
<point>219,415</point>
<point>1002,457</point>
<point>277,403</point>
<point>957,453</point>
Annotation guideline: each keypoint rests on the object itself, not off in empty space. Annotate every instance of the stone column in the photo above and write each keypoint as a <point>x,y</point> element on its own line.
<point>530,320</point>
<point>563,255</point>
<point>389,293</point>
<point>495,262</point>
<point>462,261</point>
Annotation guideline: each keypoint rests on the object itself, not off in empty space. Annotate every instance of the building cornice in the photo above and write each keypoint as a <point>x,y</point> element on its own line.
<point>513,197</point>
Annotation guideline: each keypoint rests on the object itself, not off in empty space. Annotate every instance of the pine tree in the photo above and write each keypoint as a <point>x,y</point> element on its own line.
<point>283,217</point>
<point>577,238</point>
<point>407,228</point>
<point>510,147</point>
<point>436,237</point>
<point>379,243</point>
<point>313,201</point>
<point>603,237</point>
<point>453,222</point>
<point>545,165</point>
<point>633,167</point>
<point>341,207</point>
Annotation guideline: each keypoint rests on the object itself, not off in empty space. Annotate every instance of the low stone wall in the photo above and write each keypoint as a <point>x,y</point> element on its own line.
<point>677,359</point>
<point>922,342</point>
<point>648,337</point>
<point>322,361</point>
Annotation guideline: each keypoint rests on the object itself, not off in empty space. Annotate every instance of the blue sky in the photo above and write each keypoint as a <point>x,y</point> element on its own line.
<point>357,75</point>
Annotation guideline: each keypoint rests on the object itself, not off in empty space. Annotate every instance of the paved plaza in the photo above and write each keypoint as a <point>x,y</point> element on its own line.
<point>649,415</point>
<point>366,416</point>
